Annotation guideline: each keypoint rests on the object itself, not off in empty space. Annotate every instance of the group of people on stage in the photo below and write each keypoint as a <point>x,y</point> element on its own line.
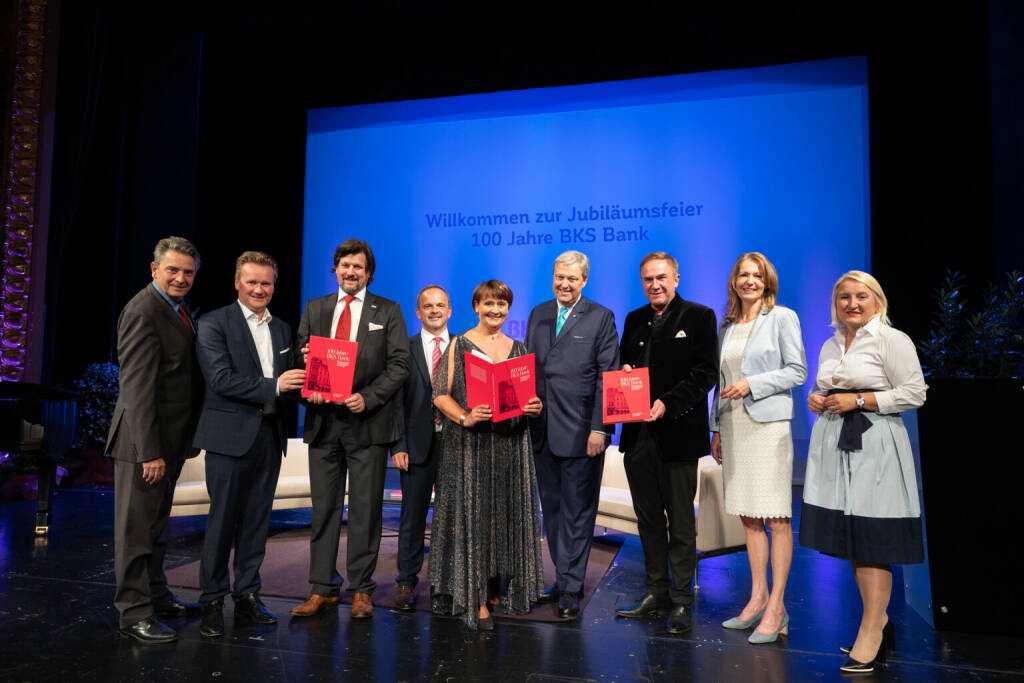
<point>494,479</point>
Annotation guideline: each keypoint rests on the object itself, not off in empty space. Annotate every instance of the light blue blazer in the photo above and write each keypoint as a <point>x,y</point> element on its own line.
<point>773,363</point>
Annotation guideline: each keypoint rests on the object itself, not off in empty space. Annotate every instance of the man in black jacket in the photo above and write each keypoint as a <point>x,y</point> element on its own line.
<point>417,451</point>
<point>678,341</point>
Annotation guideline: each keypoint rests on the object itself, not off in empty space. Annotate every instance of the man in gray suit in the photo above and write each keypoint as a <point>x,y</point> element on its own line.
<point>161,392</point>
<point>575,341</point>
<point>352,437</point>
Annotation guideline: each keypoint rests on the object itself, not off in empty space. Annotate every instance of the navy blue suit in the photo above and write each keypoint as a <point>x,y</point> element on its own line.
<point>243,447</point>
<point>417,437</point>
<point>569,368</point>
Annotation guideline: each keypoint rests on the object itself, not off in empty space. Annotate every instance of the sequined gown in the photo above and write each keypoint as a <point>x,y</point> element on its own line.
<point>486,513</point>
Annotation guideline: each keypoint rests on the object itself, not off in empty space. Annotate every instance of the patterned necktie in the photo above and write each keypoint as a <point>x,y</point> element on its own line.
<point>435,358</point>
<point>345,320</point>
<point>184,317</point>
<point>562,313</point>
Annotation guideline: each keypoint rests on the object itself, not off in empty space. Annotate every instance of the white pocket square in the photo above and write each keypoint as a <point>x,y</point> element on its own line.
<point>374,327</point>
<point>285,350</point>
<point>681,334</point>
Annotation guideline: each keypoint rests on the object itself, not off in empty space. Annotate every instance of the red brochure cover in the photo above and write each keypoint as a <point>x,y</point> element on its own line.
<point>330,365</point>
<point>626,396</point>
<point>506,386</point>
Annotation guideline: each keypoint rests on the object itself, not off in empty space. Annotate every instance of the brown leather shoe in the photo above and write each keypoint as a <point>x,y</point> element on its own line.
<point>404,600</point>
<point>314,604</point>
<point>361,606</point>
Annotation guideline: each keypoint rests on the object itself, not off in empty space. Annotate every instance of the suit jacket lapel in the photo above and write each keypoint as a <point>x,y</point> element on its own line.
<point>330,302</point>
<point>169,315</point>
<point>416,351</point>
<point>574,316</point>
<point>368,313</point>
<point>237,320</point>
<point>279,343</point>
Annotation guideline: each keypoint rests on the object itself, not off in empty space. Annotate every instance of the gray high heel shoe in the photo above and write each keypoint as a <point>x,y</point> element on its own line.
<point>758,638</point>
<point>738,624</point>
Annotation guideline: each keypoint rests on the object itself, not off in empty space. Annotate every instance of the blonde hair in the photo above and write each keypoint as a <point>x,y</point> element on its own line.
<point>770,279</point>
<point>871,283</point>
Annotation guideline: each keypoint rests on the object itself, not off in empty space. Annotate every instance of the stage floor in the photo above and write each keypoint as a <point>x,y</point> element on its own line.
<point>57,624</point>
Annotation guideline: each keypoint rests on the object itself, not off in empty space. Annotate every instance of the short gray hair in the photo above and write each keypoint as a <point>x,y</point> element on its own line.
<point>574,258</point>
<point>178,244</point>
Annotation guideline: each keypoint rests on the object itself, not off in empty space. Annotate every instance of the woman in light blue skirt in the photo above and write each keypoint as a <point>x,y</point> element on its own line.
<point>860,486</point>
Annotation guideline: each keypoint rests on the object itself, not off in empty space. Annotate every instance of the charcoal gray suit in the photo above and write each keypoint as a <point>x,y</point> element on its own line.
<point>342,442</point>
<point>161,392</point>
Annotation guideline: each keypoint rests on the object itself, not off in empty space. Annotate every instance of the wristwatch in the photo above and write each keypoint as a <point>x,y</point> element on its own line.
<point>860,401</point>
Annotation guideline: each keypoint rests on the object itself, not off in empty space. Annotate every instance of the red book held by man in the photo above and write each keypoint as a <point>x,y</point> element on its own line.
<point>626,395</point>
<point>506,386</point>
<point>330,366</point>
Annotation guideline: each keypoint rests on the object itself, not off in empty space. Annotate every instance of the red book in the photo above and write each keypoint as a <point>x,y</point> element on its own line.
<point>506,386</point>
<point>330,365</point>
<point>626,395</point>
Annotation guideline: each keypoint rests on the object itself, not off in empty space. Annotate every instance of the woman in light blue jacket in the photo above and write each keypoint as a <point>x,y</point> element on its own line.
<point>762,359</point>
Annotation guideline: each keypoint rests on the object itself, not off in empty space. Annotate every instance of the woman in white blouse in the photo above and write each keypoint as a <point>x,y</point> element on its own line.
<point>762,360</point>
<point>860,487</point>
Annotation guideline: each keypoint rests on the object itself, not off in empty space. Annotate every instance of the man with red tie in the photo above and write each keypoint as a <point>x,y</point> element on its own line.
<point>161,394</point>
<point>417,450</point>
<point>351,438</point>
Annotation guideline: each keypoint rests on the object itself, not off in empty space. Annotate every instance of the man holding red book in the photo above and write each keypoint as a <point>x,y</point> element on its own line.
<point>351,438</point>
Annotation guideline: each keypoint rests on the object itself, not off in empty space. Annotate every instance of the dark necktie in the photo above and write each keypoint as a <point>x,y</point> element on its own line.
<point>184,317</point>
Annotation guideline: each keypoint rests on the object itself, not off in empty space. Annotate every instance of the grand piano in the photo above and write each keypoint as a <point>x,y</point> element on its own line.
<point>38,422</point>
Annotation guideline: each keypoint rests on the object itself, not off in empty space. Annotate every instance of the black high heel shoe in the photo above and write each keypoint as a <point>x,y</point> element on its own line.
<point>852,666</point>
<point>888,639</point>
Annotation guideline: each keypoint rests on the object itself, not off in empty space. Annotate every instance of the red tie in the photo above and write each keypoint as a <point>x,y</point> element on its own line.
<point>435,358</point>
<point>184,318</point>
<point>345,321</point>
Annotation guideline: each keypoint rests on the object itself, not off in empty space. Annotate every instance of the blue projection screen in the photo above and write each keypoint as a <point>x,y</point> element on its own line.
<point>704,166</point>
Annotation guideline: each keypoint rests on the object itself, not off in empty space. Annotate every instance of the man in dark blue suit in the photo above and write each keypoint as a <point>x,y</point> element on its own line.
<point>417,450</point>
<point>575,341</point>
<point>245,355</point>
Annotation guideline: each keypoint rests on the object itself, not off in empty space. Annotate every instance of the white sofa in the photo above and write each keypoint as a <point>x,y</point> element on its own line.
<point>191,498</point>
<point>716,530</point>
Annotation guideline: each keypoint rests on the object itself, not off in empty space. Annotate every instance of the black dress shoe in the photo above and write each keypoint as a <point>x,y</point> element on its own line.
<point>678,620</point>
<point>549,595</point>
<point>252,609</point>
<point>212,625</point>
<point>173,607</point>
<point>150,631</point>
<point>568,606</point>
<point>649,606</point>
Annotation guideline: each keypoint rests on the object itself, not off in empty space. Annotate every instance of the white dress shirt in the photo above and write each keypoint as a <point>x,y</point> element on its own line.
<point>260,330</point>
<point>428,346</point>
<point>356,310</point>
<point>881,359</point>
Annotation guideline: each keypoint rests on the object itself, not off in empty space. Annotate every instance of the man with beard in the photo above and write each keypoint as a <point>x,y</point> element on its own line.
<point>352,437</point>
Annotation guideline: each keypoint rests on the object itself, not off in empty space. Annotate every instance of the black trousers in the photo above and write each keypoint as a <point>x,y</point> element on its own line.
<point>569,492</point>
<point>141,532</point>
<point>241,499</point>
<point>663,492</point>
<point>335,456</point>
<point>417,483</point>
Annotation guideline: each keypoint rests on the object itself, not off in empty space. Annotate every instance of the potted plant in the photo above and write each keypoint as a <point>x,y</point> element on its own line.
<point>970,449</point>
